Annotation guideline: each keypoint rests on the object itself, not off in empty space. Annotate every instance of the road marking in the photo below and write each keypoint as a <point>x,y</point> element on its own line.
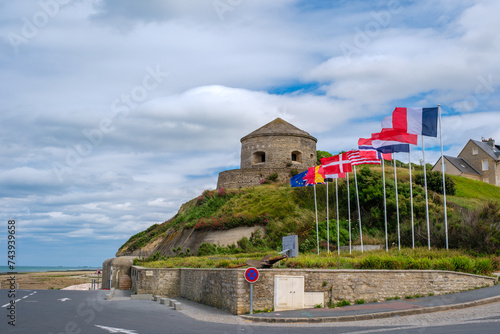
<point>15,301</point>
<point>117,330</point>
<point>64,299</point>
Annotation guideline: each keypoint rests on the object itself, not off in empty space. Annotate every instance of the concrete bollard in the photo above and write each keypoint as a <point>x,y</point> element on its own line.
<point>165,301</point>
<point>109,296</point>
<point>172,302</point>
<point>177,306</point>
<point>157,298</point>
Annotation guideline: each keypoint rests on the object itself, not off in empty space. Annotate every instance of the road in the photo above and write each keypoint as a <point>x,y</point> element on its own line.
<point>75,312</point>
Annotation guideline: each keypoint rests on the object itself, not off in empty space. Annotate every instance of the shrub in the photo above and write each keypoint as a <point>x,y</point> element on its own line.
<point>435,182</point>
<point>273,177</point>
<point>343,303</point>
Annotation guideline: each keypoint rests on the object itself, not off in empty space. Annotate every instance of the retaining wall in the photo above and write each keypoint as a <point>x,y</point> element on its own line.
<point>227,289</point>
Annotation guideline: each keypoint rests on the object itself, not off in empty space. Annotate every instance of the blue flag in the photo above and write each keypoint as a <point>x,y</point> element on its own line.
<point>298,180</point>
<point>394,148</point>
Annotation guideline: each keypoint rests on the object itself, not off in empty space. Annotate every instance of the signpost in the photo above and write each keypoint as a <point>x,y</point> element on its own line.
<point>251,275</point>
<point>98,273</point>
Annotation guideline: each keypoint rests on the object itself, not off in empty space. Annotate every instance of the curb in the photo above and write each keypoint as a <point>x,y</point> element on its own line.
<point>380,315</point>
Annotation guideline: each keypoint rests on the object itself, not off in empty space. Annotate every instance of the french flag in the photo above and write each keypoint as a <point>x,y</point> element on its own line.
<point>418,121</point>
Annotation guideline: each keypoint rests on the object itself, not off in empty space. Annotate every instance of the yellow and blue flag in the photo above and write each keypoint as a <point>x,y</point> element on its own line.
<point>298,180</point>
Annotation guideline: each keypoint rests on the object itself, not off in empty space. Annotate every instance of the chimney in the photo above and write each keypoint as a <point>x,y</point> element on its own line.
<point>490,142</point>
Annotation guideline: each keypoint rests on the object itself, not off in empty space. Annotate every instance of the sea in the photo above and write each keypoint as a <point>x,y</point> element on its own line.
<point>35,269</point>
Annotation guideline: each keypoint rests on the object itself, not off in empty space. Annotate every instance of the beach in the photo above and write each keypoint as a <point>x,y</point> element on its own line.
<point>53,280</point>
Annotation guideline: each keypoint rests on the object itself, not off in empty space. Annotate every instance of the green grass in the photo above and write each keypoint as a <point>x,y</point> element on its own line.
<point>407,259</point>
<point>472,193</point>
<point>282,210</point>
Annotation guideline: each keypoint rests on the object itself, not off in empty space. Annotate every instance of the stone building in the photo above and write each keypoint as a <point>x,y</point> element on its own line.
<point>276,148</point>
<point>478,160</point>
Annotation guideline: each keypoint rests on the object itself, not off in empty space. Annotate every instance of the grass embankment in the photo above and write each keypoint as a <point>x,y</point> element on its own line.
<point>470,193</point>
<point>473,213</point>
<point>419,258</point>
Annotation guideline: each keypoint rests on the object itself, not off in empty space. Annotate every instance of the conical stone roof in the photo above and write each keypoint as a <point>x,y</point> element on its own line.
<point>278,127</point>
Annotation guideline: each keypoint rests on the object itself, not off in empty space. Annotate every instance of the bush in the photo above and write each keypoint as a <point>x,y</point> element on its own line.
<point>207,248</point>
<point>273,177</point>
<point>435,182</point>
<point>343,303</point>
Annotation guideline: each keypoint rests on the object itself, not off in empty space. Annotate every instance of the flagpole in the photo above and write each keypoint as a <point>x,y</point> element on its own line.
<point>359,211</point>
<point>349,210</point>
<point>426,197</point>
<point>411,201</point>
<point>327,221</point>
<point>444,183</point>
<point>316,210</point>
<point>338,223</point>
<point>397,201</point>
<point>385,206</point>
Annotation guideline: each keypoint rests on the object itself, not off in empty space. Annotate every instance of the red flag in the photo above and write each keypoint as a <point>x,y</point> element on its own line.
<point>398,135</point>
<point>367,151</point>
<point>315,175</point>
<point>337,164</point>
<point>357,159</point>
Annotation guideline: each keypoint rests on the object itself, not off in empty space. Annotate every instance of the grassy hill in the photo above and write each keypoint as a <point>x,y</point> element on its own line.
<point>473,214</point>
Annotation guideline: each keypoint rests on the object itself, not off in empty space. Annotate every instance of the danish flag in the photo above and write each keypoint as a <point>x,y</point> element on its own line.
<point>337,164</point>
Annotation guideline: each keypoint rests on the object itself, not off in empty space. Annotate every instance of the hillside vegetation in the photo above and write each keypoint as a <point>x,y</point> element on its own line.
<point>418,258</point>
<point>473,214</point>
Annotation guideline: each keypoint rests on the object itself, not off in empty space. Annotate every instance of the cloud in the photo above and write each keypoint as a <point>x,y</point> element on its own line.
<point>399,62</point>
<point>81,95</point>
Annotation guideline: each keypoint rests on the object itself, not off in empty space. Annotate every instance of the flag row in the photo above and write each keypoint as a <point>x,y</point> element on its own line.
<point>399,130</point>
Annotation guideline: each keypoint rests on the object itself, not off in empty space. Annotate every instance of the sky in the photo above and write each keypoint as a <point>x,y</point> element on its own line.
<point>115,112</point>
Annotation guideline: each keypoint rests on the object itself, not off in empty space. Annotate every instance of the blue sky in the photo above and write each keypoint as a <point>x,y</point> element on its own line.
<point>114,113</point>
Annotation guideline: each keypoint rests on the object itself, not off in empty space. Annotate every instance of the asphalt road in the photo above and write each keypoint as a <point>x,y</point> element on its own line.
<point>75,312</point>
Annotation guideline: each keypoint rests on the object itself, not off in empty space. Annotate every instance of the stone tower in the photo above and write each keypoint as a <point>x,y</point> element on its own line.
<point>277,147</point>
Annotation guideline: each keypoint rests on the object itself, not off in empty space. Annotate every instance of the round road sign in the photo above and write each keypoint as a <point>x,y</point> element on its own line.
<point>251,275</point>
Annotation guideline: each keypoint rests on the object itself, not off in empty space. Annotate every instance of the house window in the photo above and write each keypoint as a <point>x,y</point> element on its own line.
<point>474,151</point>
<point>444,166</point>
<point>259,157</point>
<point>296,156</point>
<point>484,164</point>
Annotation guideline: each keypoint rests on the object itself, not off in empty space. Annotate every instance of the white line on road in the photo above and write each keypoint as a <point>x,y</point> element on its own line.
<point>117,330</point>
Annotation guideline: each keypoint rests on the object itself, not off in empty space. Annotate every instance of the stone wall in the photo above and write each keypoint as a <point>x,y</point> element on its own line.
<point>250,177</point>
<point>156,281</point>
<point>114,269</point>
<point>475,160</point>
<point>450,169</point>
<point>215,287</point>
<point>227,289</point>
<point>278,150</point>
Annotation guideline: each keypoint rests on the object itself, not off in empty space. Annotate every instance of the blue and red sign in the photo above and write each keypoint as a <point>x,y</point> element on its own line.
<point>251,275</point>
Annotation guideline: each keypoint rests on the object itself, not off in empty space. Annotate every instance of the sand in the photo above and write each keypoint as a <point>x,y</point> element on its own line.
<point>53,280</point>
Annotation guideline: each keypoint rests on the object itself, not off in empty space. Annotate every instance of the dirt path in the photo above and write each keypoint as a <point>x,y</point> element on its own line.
<point>54,280</point>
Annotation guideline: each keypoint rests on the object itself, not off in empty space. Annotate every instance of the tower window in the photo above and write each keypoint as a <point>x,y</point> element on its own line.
<point>296,156</point>
<point>259,157</point>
